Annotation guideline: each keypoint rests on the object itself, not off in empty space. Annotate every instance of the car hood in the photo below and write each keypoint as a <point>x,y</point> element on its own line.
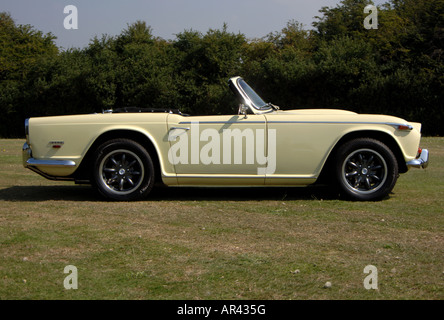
<point>337,115</point>
<point>315,111</point>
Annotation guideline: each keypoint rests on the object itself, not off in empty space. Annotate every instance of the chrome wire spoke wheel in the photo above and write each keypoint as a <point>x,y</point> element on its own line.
<point>364,171</point>
<point>122,171</point>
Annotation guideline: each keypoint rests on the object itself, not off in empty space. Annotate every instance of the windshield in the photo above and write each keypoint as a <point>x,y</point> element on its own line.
<point>257,101</point>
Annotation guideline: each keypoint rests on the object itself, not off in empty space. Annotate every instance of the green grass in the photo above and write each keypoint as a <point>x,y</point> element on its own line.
<point>213,243</point>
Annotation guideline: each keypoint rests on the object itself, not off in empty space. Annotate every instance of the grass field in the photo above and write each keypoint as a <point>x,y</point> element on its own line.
<point>205,243</point>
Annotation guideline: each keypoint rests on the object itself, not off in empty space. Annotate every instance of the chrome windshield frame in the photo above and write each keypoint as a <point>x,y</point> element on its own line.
<point>266,108</point>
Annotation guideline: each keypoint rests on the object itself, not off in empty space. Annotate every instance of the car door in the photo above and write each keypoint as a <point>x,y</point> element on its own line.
<point>229,149</point>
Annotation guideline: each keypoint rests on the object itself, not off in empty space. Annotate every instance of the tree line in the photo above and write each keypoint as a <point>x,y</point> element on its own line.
<point>396,69</point>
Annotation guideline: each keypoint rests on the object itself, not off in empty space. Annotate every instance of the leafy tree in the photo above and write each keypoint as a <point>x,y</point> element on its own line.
<point>203,65</point>
<point>21,48</point>
<point>143,71</point>
<point>396,69</point>
<point>404,68</point>
<point>346,19</point>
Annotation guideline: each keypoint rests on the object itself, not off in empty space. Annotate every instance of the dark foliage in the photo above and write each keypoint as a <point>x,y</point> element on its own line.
<point>397,69</point>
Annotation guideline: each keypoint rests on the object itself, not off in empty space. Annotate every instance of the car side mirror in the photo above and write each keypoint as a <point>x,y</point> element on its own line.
<point>243,109</point>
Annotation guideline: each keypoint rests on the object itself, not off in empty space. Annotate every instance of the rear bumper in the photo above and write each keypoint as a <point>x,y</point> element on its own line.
<point>34,164</point>
<point>422,161</point>
<point>29,161</point>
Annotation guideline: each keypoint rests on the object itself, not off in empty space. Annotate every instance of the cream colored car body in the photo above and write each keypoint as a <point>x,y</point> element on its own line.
<point>58,146</point>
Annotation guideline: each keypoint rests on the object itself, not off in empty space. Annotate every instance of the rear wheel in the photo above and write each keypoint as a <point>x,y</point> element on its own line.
<point>366,169</point>
<point>123,170</point>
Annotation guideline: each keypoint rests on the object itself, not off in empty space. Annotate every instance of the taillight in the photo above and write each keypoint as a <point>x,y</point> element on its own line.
<point>404,127</point>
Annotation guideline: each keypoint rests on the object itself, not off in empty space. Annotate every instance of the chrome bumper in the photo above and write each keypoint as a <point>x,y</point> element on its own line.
<point>29,161</point>
<point>422,161</point>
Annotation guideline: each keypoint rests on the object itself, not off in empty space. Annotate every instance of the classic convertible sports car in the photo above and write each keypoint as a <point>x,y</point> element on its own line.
<point>125,151</point>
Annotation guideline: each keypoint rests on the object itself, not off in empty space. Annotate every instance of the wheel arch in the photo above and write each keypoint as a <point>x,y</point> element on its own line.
<point>381,136</point>
<point>83,174</point>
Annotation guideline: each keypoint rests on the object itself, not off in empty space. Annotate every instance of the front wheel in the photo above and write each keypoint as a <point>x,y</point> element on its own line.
<point>366,169</point>
<point>123,170</point>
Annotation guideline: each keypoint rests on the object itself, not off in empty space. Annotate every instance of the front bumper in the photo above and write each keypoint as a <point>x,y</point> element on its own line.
<point>422,161</point>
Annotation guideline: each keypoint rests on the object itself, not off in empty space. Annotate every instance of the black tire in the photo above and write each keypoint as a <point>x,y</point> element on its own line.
<point>123,170</point>
<point>365,169</point>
